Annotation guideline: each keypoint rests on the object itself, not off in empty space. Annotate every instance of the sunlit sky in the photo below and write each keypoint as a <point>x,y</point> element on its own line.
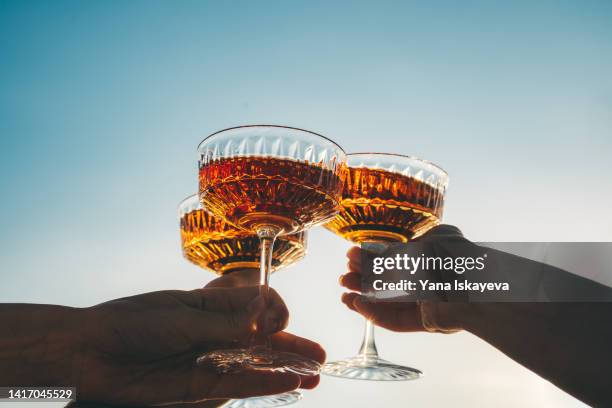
<point>102,105</point>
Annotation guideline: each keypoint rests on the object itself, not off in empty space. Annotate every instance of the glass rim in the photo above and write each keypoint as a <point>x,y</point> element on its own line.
<point>271,126</point>
<point>184,201</point>
<point>190,196</point>
<point>404,156</point>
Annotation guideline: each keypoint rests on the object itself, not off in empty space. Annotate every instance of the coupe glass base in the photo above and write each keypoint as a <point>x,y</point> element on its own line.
<point>234,360</point>
<point>374,369</point>
<point>267,401</point>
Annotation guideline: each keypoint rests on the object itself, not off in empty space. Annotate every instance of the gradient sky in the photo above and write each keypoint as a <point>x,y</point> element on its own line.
<point>102,104</point>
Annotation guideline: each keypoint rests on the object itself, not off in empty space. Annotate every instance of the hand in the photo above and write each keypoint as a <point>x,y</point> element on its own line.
<point>403,316</point>
<point>246,277</point>
<point>141,350</point>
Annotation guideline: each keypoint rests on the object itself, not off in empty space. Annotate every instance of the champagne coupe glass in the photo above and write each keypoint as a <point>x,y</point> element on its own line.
<point>214,245</point>
<point>272,181</point>
<point>386,198</point>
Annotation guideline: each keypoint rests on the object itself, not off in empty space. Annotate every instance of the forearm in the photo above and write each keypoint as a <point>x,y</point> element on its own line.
<point>565,343</point>
<point>39,345</point>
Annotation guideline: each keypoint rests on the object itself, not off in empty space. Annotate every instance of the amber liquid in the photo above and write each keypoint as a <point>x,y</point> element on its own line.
<point>215,245</point>
<point>379,205</point>
<point>252,191</point>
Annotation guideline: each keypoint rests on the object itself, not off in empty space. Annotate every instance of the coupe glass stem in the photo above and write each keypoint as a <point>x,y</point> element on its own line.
<point>368,349</point>
<point>267,235</point>
<point>267,246</point>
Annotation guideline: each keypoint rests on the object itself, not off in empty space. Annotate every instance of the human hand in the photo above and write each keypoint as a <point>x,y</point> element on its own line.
<point>404,316</point>
<point>245,277</point>
<point>141,350</point>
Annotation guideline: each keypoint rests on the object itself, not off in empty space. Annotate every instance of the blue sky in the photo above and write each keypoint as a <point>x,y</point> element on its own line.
<point>102,104</point>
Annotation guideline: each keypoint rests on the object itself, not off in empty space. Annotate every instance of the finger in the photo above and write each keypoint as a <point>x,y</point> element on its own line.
<point>403,316</point>
<point>289,342</point>
<point>204,328</point>
<point>239,278</point>
<point>247,298</point>
<point>353,267</point>
<point>232,326</point>
<point>230,298</point>
<point>178,380</point>
<point>354,255</point>
<point>351,280</point>
<point>234,314</point>
<point>348,299</point>
<point>246,277</point>
<point>308,383</point>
